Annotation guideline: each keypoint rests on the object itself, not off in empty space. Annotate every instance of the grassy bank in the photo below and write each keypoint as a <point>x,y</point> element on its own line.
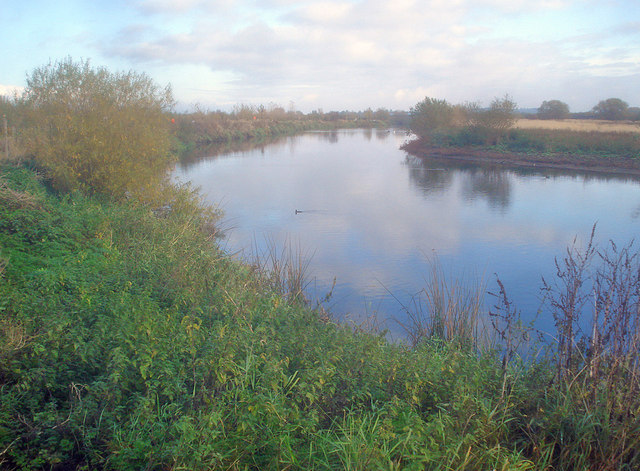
<point>496,133</point>
<point>195,131</point>
<point>129,341</point>
<point>558,148</point>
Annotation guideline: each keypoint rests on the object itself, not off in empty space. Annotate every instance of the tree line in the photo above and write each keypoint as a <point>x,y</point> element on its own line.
<point>438,120</point>
<point>438,123</point>
<point>613,109</point>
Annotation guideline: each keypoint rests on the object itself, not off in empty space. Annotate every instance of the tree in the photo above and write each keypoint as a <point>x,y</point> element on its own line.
<point>633,113</point>
<point>431,115</point>
<point>382,114</point>
<point>611,108</point>
<point>553,109</point>
<point>493,122</point>
<point>97,131</point>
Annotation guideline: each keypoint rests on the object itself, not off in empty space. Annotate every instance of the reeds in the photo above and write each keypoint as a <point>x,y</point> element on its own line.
<point>603,143</point>
<point>582,125</point>
<point>595,302</point>
<point>283,268</point>
<point>446,309</point>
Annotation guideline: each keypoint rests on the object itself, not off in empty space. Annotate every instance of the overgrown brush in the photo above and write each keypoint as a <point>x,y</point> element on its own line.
<point>128,341</point>
<point>135,343</point>
<point>596,304</point>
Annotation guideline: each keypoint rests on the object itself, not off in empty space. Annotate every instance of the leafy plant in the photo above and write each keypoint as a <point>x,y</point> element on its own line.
<point>98,131</point>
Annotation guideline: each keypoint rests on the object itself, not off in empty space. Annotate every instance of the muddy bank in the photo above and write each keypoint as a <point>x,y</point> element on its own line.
<point>420,148</point>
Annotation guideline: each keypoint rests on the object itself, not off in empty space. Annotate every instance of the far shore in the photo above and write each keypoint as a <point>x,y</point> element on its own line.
<point>422,149</point>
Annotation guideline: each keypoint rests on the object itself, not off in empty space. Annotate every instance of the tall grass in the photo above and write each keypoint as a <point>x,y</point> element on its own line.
<point>612,144</point>
<point>582,125</point>
<point>283,268</point>
<point>447,309</point>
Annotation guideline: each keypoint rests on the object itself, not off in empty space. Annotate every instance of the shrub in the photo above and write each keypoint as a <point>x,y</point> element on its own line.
<point>431,115</point>
<point>494,122</point>
<point>98,131</point>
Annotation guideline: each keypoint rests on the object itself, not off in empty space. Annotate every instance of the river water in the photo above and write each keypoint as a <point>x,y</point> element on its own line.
<point>374,218</point>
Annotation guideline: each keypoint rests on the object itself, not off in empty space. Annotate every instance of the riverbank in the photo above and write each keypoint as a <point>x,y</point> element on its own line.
<point>128,340</point>
<point>614,164</point>
<point>196,131</point>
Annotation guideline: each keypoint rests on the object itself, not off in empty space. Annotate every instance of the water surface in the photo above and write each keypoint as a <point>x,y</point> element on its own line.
<point>373,217</point>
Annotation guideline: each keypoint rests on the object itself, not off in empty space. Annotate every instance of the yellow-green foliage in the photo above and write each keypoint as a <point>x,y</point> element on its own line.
<point>432,118</point>
<point>98,131</point>
<point>129,341</point>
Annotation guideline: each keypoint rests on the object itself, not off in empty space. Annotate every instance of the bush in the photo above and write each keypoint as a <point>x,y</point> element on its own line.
<point>97,131</point>
<point>520,141</point>
<point>494,122</point>
<point>431,115</point>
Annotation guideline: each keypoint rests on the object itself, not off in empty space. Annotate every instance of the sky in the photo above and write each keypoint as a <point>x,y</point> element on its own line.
<point>339,54</point>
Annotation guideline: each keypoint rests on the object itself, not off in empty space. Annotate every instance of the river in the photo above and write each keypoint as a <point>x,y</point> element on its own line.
<point>374,218</point>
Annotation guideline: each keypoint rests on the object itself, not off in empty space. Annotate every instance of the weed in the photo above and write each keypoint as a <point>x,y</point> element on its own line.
<point>445,309</point>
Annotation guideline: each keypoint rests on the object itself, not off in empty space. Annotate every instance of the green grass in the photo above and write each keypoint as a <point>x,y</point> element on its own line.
<point>618,148</point>
<point>128,340</point>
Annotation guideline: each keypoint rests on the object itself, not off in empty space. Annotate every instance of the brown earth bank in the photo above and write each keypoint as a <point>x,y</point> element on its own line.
<point>423,149</point>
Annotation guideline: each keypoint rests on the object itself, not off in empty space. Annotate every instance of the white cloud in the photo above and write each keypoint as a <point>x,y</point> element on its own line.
<point>353,53</point>
<point>10,90</point>
<point>325,12</point>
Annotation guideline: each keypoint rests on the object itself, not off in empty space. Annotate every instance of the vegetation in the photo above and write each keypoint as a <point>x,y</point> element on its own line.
<point>612,108</point>
<point>128,340</point>
<point>553,109</point>
<point>97,131</point>
<point>438,121</point>
<point>439,124</point>
<point>249,123</point>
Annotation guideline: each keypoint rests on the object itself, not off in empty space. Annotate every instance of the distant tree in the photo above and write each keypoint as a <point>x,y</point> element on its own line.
<point>431,115</point>
<point>633,113</point>
<point>382,114</point>
<point>97,131</point>
<point>493,122</point>
<point>400,118</point>
<point>553,109</point>
<point>276,112</point>
<point>611,108</point>
<point>502,114</point>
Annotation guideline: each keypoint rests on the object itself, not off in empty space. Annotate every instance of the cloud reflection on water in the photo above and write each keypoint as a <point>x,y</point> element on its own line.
<point>375,215</point>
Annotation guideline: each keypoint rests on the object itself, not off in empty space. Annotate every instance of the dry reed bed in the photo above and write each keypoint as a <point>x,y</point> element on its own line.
<point>585,125</point>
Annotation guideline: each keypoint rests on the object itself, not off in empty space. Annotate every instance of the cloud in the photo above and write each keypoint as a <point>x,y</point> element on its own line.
<point>374,52</point>
<point>10,90</point>
<point>182,6</point>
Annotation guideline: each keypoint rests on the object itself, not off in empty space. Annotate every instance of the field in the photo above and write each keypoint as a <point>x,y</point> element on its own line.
<point>586,125</point>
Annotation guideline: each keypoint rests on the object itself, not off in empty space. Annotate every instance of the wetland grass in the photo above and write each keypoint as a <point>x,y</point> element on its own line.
<point>130,341</point>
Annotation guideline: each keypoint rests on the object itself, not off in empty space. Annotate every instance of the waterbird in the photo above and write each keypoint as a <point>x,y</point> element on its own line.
<point>298,211</point>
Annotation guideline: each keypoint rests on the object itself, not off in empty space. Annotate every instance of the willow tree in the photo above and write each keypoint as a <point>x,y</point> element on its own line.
<point>98,131</point>
<point>493,123</point>
<point>430,116</point>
